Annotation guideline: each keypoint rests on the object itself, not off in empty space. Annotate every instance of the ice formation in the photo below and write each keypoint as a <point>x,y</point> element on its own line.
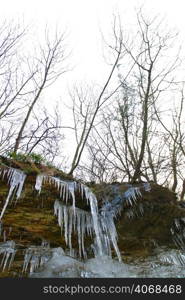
<point>8,250</point>
<point>129,197</point>
<point>67,189</point>
<point>77,221</point>
<point>109,234</point>
<point>39,180</point>
<point>172,258</point>
<point>97,223</point>
<point>104,267</point>
<point>136,212</point>
<point>146,186</point>
<point>16,180</point>
<point>60,265</point>
<point>36,256</point>
<point>178,232</point>
<point>42,261</point>
<point>94,212</point>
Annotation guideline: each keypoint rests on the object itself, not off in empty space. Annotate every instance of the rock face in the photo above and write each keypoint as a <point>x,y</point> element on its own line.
<point>151,222</point>
<point>145,216</point>
<point>156,218</point>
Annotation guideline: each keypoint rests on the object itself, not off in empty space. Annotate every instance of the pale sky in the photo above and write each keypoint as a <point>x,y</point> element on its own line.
<point>83,20</point>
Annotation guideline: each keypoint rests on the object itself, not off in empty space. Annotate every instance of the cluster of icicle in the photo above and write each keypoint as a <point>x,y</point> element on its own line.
<point>79,221</point>
<point>71,217</point>
<point>129,197</point>
<point>173,258</point>
<point>100,223</point>
<point>36,256</point>
<point>110,210</point>
<point>16,180</point>
<point>7,249</point>
<point>74,220</point>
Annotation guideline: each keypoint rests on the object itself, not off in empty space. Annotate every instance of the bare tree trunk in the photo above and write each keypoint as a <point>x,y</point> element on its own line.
<point>183,191</point>
<point>150,162</point>
<point>51,56</point>
<point>137,172</point>
<point>87,129</point>
<point>19,136</point>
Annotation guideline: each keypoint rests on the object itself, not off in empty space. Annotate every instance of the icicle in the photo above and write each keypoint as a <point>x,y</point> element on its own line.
<point>80,223</point>
<point>36,256</point>
<point>70,229</point>
<point>94,211</point>
<point>71,188</point>
<point>74,220</point>
<point>177,224</point>
<point>16,179</point>
<point>68,188</point>
<point>66,224</point>
<point>39,181</point>
<point>174,258</point>
<point>27,258</point>
<point>79,233</point>
<point>83,225</point>
<point>64,188</point>
<point>8,250</point>
<point>107,224</point>
<point>64,191</point>
<point>146,186</point>
<point>131,194</point>
<point>3,173</point>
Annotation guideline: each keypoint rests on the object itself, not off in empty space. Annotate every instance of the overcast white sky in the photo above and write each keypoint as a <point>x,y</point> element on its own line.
<point>83,20</point>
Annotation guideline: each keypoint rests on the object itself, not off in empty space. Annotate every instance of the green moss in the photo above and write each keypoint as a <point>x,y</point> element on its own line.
<point>26,157</point>
<point>32,164</point>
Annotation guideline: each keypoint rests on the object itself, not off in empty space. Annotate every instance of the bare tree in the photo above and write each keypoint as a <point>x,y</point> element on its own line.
<point>101,165</point>
<point>135,147</point>
<point>175,140</point>
<point>90,115</point>
<point>12,84</point>
<point>47,69</point>
<point>151,74</point>
<point>45,134</point>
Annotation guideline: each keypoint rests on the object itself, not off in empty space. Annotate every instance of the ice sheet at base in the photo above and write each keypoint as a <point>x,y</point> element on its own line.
<point>165,264</point>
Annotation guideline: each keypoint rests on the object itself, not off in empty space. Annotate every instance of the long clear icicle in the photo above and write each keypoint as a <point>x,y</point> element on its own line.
<point>94,211</point>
